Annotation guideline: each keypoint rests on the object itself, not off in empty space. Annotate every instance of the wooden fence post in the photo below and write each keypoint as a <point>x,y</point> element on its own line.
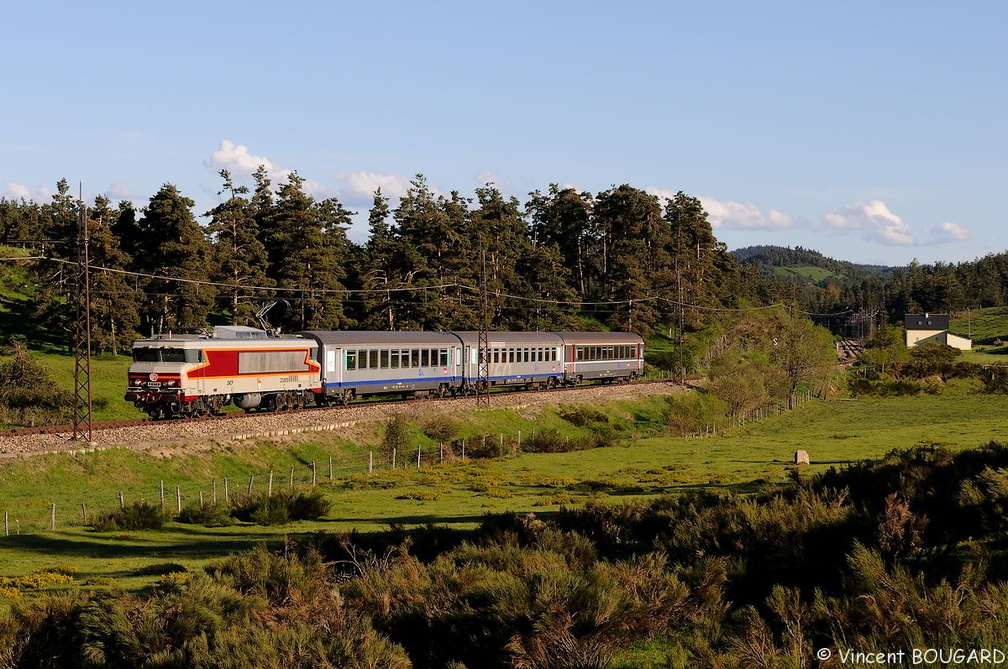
<point>251,477</point>
<point>226,498</point>
<point>162,495</point>
<point>269,488</point>
<point>122,500</point>
<point>52,518</point>
<point>418,456</point>
<point>330,468</point>
<point>393,458</point>
<point>370,466</point>
<point>83,510</point>
<point>313,473</point>
<point>6,524</point>
<point>178,498</point>
<point>292,479</point>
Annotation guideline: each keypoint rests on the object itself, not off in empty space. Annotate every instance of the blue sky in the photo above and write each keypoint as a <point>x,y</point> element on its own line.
<point>870,131</point>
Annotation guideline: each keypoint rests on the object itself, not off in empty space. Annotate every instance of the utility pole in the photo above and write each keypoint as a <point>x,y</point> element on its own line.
<point>81,329</point>
<point>483,355</point>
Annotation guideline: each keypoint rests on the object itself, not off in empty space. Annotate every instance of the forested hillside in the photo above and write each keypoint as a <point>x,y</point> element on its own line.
<point>564,259</point>
<point>619,258</point>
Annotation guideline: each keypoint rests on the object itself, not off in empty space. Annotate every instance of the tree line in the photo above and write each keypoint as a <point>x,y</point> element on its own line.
<point>563,259</point>
<point>891,291</point>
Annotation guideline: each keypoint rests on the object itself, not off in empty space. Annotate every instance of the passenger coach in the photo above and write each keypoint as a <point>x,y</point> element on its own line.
<point>595,356</point>
<point>516,358</point>
<point>359,363</point>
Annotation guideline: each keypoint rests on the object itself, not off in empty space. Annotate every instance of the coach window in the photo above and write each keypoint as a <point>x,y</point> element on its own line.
<point>406,356</point>
<point>351,360</point>
<point>425,357</point>
<point>496,355</point>
<point>394,359</point>
<point>383,358</point>
<point>443,357</point>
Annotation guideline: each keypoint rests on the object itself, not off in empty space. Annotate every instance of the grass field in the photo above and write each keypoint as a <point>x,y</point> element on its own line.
<point>456,494</point>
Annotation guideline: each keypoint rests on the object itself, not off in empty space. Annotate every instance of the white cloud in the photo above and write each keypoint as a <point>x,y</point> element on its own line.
<point>16,191</point>
<point>744,216</point>
<point>950,232</point>
<point>236,159</point>
<point>363,184</point>
<point>872,220</point>
<point>734,215</point>
<point>119,191</point>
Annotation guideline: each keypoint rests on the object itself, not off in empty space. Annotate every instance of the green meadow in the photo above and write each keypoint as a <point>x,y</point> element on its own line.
<point>644,463</point>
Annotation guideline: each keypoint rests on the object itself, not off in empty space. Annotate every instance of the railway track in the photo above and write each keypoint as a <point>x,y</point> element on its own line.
<point>145,432</point>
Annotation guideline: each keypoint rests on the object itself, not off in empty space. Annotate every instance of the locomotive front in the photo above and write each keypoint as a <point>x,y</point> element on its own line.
<point>196,375</point>
<point>157,376</point>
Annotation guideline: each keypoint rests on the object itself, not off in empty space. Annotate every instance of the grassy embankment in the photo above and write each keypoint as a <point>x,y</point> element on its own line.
<point>647,464</point>
<point>989,330</point>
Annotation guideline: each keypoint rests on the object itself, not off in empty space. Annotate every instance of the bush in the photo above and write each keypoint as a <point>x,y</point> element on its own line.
<point>483,446</point>
<point>28,396</point>
<point>441,428</point>
<point>207,514</point>
<point>135,516</point>
<point>582,416</point>
<point>397,434</point>
<point>281,507</point>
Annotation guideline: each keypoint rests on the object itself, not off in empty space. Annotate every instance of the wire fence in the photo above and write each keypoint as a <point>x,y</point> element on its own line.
<point>173,495</point>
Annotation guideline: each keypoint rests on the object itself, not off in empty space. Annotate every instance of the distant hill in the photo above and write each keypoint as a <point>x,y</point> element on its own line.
<point>805,265</point>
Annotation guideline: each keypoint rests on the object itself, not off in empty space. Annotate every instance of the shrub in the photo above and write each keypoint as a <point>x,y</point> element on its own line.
<point>281,507</point>
<point>207,514</point>
<point>582,416</point>
<point>28,396</point>
<point>309,505</point>
<point>135,516</point>
<point>397,434</point>
<point>441,428</point>
<point>483,446</point>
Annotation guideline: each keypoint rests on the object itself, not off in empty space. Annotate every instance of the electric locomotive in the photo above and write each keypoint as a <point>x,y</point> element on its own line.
<point>196,374</point>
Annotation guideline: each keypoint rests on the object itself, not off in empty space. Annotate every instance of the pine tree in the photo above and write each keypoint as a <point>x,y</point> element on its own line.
<point>114,301</point>
<point>307,246</point>
<point>178,259</point>
<point>632,236</point>
<point>564,218</point>
<point>240,257</point>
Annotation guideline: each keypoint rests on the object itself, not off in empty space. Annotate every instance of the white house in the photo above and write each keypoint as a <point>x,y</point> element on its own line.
<point>921,328</point>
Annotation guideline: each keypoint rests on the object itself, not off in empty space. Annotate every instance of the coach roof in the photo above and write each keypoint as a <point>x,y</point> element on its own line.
<point>380,338</point>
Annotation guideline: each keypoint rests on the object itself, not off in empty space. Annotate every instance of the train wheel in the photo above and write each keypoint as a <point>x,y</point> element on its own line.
<point>154,413</point>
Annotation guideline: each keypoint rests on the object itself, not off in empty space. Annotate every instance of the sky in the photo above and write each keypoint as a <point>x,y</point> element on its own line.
<point>869,131</point>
